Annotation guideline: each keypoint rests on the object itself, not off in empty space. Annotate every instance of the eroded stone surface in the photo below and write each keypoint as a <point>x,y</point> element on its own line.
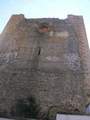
<point>46,64</point>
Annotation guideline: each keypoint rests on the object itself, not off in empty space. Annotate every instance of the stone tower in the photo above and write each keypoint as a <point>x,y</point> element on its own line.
<point>47,58</point>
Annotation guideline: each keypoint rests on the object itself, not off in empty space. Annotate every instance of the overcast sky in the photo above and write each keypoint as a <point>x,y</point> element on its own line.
<point>45,8</point>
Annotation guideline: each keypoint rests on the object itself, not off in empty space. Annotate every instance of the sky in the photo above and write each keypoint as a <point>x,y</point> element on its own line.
<point>45,8</point>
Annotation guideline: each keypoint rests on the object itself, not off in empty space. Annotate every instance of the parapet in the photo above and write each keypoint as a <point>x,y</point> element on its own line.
<point>75,17</point>
<point>13,22</point>
<point>17,17</point>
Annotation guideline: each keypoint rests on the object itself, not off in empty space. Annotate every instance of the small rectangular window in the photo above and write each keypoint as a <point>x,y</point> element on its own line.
<point>39,51</point>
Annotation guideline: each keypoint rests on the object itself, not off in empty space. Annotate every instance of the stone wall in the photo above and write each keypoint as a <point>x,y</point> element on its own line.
<point>42,57</point>
<point>78,25</point>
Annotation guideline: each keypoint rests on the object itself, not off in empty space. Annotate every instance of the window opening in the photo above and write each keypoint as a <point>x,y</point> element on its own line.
<point>39,51</point>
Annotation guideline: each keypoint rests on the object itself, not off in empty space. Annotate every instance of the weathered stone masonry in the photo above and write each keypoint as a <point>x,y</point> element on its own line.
<point>46,58</point>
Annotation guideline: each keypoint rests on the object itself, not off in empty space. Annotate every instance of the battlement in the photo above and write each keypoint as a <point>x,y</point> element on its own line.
<point>13,22</point>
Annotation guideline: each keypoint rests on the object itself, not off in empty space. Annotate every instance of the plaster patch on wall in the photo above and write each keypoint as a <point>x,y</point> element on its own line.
<point>51,33</point>
<point>52,58</point>
<point>64,34</point>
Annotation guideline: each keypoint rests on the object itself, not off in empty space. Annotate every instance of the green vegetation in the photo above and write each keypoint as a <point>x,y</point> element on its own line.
<point>26,108</point>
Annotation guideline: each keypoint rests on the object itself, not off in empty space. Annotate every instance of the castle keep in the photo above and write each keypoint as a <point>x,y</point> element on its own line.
<point>47,58</point>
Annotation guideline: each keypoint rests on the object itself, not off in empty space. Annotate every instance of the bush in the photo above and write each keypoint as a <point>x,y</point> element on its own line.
<point>27,108</point>
<point>33,108</point>
<point>20,108</point>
